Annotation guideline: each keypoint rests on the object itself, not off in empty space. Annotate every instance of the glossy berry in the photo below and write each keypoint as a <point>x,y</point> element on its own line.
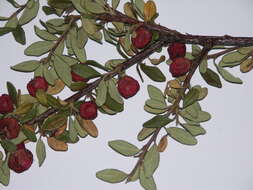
<point>141,37</point>
<point>35,84</point>
<point>6,104</point>
<point>176,50</point>
<point>9,127</point>
<point>128,86</point>
<point>78,78</point>
<point>88,110</point>
<point>21,160</point>
<point>179,67</point>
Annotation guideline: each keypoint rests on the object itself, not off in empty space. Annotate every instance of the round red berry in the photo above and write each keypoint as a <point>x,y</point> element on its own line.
<point>35,84</point>
<point>21,160</point>
<point>9,127</point>
<point>176,50</point>
<point>6,104</point>
<point>180,66</point>
<point>141,37</point>
<point>88,110</point>
<point>128,86</point>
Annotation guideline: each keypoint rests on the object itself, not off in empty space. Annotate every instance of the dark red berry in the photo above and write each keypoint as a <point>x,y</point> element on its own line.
<point>128,86</point>
<point>78,78</point>
<point>6,104</point>
<point>21,160</point>
<point>180,66</point>
<point>88,110</point>
<point>176,50</point>
<point>35,84</point>
<point>141,37</point>
<point>9,127</point>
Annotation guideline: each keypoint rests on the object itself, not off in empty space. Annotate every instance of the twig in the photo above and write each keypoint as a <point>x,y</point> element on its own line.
<point>175,105</point>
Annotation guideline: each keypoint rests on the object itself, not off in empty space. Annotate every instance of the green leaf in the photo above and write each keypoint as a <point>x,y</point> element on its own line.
<point>96,64</point>
<point>157,122</point>
<point>94,6</point>
<point>139,4</point>
<point>4,173</point>
<point>151,161</point>
<point>26,66</point>
<point>2,18</point>
<point>112,105</point>
<point>79,52</point>
<point>31,136</point>
<point>147,183</point>
<point>154,110</point>
<point>181,135</point>
<point>145,133</point>
<point>44,34</point>
<point>201,117</point>
<point>19,35</point>
<point>212,78</point>
<point>195,130</point>
<point>156,104</point>
<point>124,147</point>
<point>80,131</point>
<point>30,12</point>
<point>245,50</point>
<point>85,71</point>
<point>41,96</point>
<point>113,91</point>
<point>63,70</point>
<point>155,93</point>
<point>115,4</point>
<point>12,23</point>
<point>233,57</point>
<point>77,5</point>
<point>82,38</point>
<point>89,26</point>
<point>5,30</point>
<point>54,122</point>
<point>72,130</point>
<point>191,97</point>
<point>38,48</point>
<point>153,73</point>
<point>12,92</point>
<point>111,175</point>
<point>8,146</point>
<point>203,66</point>
<point>40,152</point>
<point>196,50</point>
<point>227,75</point>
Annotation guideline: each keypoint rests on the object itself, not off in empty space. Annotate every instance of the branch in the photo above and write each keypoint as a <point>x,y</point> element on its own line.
<point>175,105</point>
<point>177,36</point>
<point>125,65</point>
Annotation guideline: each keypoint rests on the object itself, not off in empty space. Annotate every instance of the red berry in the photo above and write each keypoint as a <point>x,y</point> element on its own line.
<point>88,110</point>
<point>142,37</point>
<point>176,50</point>
<point>35,84</point>
<point>6,104</point>
<point>128,86</point>
<point>78,78</point>
<point>180,66</point>
<point>9,127</point>
<point>21,160</point>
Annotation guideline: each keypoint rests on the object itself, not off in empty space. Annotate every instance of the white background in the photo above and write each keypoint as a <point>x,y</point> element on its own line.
<point>221,160</point>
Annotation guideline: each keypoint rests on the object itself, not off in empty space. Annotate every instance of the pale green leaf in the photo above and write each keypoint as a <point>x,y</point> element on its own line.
<point>123,147</point>
<point>26,66</point>
<point>181,135</point>
<point>40,152</point>
<point>38,48</point>
<point>111,175</point>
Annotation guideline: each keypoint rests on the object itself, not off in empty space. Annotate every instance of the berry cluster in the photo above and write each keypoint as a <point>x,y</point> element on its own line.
<point>22,159</point>
<point>180,65</point>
